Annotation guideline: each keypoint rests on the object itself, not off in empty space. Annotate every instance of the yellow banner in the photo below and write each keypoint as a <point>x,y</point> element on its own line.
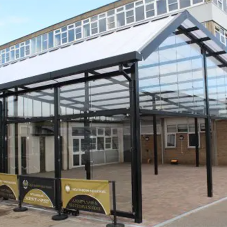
<point>8,186</point>
<point>86,195</point>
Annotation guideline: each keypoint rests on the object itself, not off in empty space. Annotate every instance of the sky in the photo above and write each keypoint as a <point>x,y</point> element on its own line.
<point>22,17</point>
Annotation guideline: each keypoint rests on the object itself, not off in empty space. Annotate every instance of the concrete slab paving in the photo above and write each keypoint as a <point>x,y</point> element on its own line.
<point>213,215</point>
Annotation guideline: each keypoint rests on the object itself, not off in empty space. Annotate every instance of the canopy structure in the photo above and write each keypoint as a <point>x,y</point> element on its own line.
<point>121,74</point>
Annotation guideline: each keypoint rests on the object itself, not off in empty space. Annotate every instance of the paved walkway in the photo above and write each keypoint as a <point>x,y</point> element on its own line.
<point>212,215</point>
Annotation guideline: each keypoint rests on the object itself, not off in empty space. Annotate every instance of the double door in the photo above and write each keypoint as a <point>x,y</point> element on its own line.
<point>78,151</point>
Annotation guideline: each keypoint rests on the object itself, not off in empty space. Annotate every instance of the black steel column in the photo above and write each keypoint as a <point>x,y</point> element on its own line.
<point>57,150</point>
<point>136,148</point>
<point>87,132</point>
<point>16,134</point>
<point>155,145</point>
<point>5,136</point>
<point>1,139</point>
<point>208,134</point>
<point>197,143</point>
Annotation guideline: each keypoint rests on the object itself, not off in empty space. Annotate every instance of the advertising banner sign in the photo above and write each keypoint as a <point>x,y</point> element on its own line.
<point>8,186</point>
<point>37,191</point>
<point>86,195</point>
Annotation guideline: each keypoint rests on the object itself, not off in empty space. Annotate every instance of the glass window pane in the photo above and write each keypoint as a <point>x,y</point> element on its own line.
<point>71,35</point>
<point>51,40</point>
<point>197,1</point>
<point>76,146</point>
<point>171,139</point>
<point>100,143</point>
<point>102,25</point>
<point>115,143</point>
<point>76,161</point>
<point>171,128</point>
<point>120,19</point>
<point>140,13</point>
<point>107,131</point>
<point>182,128</point>
<point>57,40</point>
<point>86,30</point>
<point>185,3</point>
<point>192,140</point>
<point>161,7</point>
<point>39,44</point>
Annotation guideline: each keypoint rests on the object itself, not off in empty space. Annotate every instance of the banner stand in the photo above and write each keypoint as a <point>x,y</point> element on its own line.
<point>60,216</point>
<point>114,224</point>
<point>20,208</point>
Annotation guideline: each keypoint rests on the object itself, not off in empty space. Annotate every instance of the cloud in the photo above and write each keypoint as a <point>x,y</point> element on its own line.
<point>13,20</point>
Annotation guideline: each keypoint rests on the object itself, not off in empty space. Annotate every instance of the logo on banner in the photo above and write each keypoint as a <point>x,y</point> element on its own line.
<point>67,188</point>
<point>25,184</point>
<point>37,191</point>
<point>91,196</point>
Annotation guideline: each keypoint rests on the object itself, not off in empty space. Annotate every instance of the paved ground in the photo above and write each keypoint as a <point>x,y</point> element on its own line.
<point>211,216</point>
<point>177,189</point>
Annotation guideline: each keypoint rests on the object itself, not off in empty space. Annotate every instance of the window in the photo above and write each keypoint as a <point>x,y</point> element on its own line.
<point>192,140</point>
<point>130,16</point>
<point>22,50</point>
<point>161,7</point>
<point>100,143</point>
<point>197,1</point>
<point>12,54</point>
<point>38,44</point>
<point>86,28</point>
<point>94,25</point>
<point>78,30</point>
<point>115,143</point>
<point>107,132</point>
<point>185,3</point>
<point>220,3</point>
<point>182,128</point>
<point>76,145</point>
<point>202,127</point>
<point>102,25</point>
<point>71,33</point>
<point>171,136</point>
<point>139,13</point>
<point>45,41</point>
<point>17,51</point>
<point>27,47</point>
<point>50,39</point>
<point>173,5</point>
<point>171,128</point>
<point>114,131</point>
<point>150,12</point>
<point>108,143</point>
<point>191,128</point>
<point>57,38</point>
<point>77,131</point>
<point>120,19</point>
<point>171,140</point>
<point>100,132</point>
<point>64,35</point>
<point>111,19</point>
<point>93,143</point>
<point>33,46</point>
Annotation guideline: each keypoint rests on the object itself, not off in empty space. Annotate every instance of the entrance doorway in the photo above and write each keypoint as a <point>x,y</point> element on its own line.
<point>23,155</point>
<point>42,143</point>
<point>78,152</point>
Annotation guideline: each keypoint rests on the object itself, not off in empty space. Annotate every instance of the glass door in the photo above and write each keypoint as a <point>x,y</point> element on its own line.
<point>78,152</point>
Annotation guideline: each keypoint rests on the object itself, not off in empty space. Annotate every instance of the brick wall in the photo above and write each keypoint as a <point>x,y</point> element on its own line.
<point>221,131</point>
<point>148,148</point>
<point>184,154</point>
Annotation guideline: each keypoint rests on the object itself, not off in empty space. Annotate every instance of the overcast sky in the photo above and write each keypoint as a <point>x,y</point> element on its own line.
<point>22,17</point>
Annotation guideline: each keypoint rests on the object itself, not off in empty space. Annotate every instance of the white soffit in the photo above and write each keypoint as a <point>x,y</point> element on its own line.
<point>117,43</point>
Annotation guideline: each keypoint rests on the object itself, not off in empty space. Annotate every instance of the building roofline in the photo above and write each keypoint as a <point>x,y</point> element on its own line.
<point>63,23</point>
